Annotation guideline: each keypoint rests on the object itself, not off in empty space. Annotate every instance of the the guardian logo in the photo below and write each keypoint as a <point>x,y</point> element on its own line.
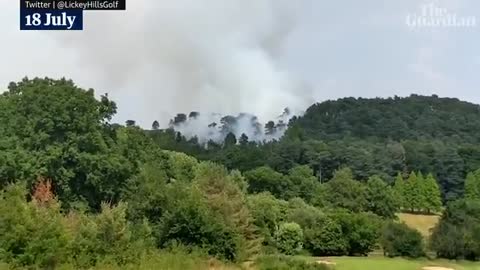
<point>432,15</point>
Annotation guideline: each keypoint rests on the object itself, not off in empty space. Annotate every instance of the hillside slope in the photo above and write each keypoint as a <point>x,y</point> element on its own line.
<point>376,136</point>
<point>413,117</point>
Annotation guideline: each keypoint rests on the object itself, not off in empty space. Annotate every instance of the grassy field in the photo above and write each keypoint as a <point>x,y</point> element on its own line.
<point>176,262</point>
<point>382,263</point>
<point>423,223</point>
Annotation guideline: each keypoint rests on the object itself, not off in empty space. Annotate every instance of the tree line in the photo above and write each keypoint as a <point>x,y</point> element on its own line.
<point>418,193</point>
<point>371,136</point>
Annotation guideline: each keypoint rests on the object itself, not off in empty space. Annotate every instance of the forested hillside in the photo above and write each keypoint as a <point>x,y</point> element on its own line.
<point>412,118</point>
<point>371,136</point>
<point>79,192</point>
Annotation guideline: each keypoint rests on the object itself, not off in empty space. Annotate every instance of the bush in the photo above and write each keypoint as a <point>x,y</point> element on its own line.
<point>457,235</point>
<point>326,239</point>
<point>302,213</point>
<point>209,211</point>
<point>268,212</point>
<point>224,197</point>
<point>400,240</point>
<point>36,233</point>
<point>289,238</point>
<point>361,231</point>
<point>106,237</point>
<point>116,240</point>
<point>323,235</point>
<point>31,233</point>
<point>448,241</point>
<point>191,223</point>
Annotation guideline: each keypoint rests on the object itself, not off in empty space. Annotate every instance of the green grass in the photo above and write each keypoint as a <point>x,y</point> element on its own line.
<point>282,262</point>
<point>383,263</point>
<point>422,223</point>
<point>168,261</point>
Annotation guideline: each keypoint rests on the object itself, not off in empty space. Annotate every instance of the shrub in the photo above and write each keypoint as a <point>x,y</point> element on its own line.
<point>36,234</point>
<point>32,233</point>
<point>323,235</point>
<point>302,213</point>
<point>116,240</point>
<point>192,224</point>
<point>400,240</point>
<point>361,230</point>
<point>448,241</point>
<point>326,239</point>
<point>457,235</point>
<point>289,238</point>
<point>107,237</point>
<point>268,212</point>
<point>208,211</point>
<point>226,201</point>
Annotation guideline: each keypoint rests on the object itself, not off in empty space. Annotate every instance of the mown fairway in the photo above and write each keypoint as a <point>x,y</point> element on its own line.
<point>382,263</point>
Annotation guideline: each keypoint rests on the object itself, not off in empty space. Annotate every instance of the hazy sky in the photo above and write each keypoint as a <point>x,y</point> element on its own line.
<point>161,57</point>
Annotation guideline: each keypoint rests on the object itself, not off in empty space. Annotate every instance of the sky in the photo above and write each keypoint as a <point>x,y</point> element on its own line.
<point>161,57</point>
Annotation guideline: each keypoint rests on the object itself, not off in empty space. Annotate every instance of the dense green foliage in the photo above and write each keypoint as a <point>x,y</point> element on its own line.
<point>400,240</point>
<point>370,136</point>
<point>344,192</point>
<point>289,238</point>
<point>472,185</point>
<point>79,191</point>
<point>298,182</point>
<point>381,198</point>
<point>457,235</point>
<point>417,193</point>
<point>37,233</point>
<point>361,231</point>
<point>396,118</point>
<point>56,130</point>
<point>268,213</point>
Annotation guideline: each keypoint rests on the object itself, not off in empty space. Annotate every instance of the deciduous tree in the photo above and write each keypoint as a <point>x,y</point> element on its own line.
<point>381,198</point>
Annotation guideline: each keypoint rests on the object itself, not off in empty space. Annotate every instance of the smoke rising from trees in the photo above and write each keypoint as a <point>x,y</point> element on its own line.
<point>186,55</point>
<point>216,127</point>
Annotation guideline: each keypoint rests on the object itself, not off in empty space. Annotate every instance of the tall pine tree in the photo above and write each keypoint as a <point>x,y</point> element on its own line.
<point>472,186</point>
<point>422,192</point>
<point>434,196</point>
<point>399,189</point>
<point>411,193</point>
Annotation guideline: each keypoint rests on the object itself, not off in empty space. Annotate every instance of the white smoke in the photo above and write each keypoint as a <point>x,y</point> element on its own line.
<point>215,127</point>
<point>174,56</point>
